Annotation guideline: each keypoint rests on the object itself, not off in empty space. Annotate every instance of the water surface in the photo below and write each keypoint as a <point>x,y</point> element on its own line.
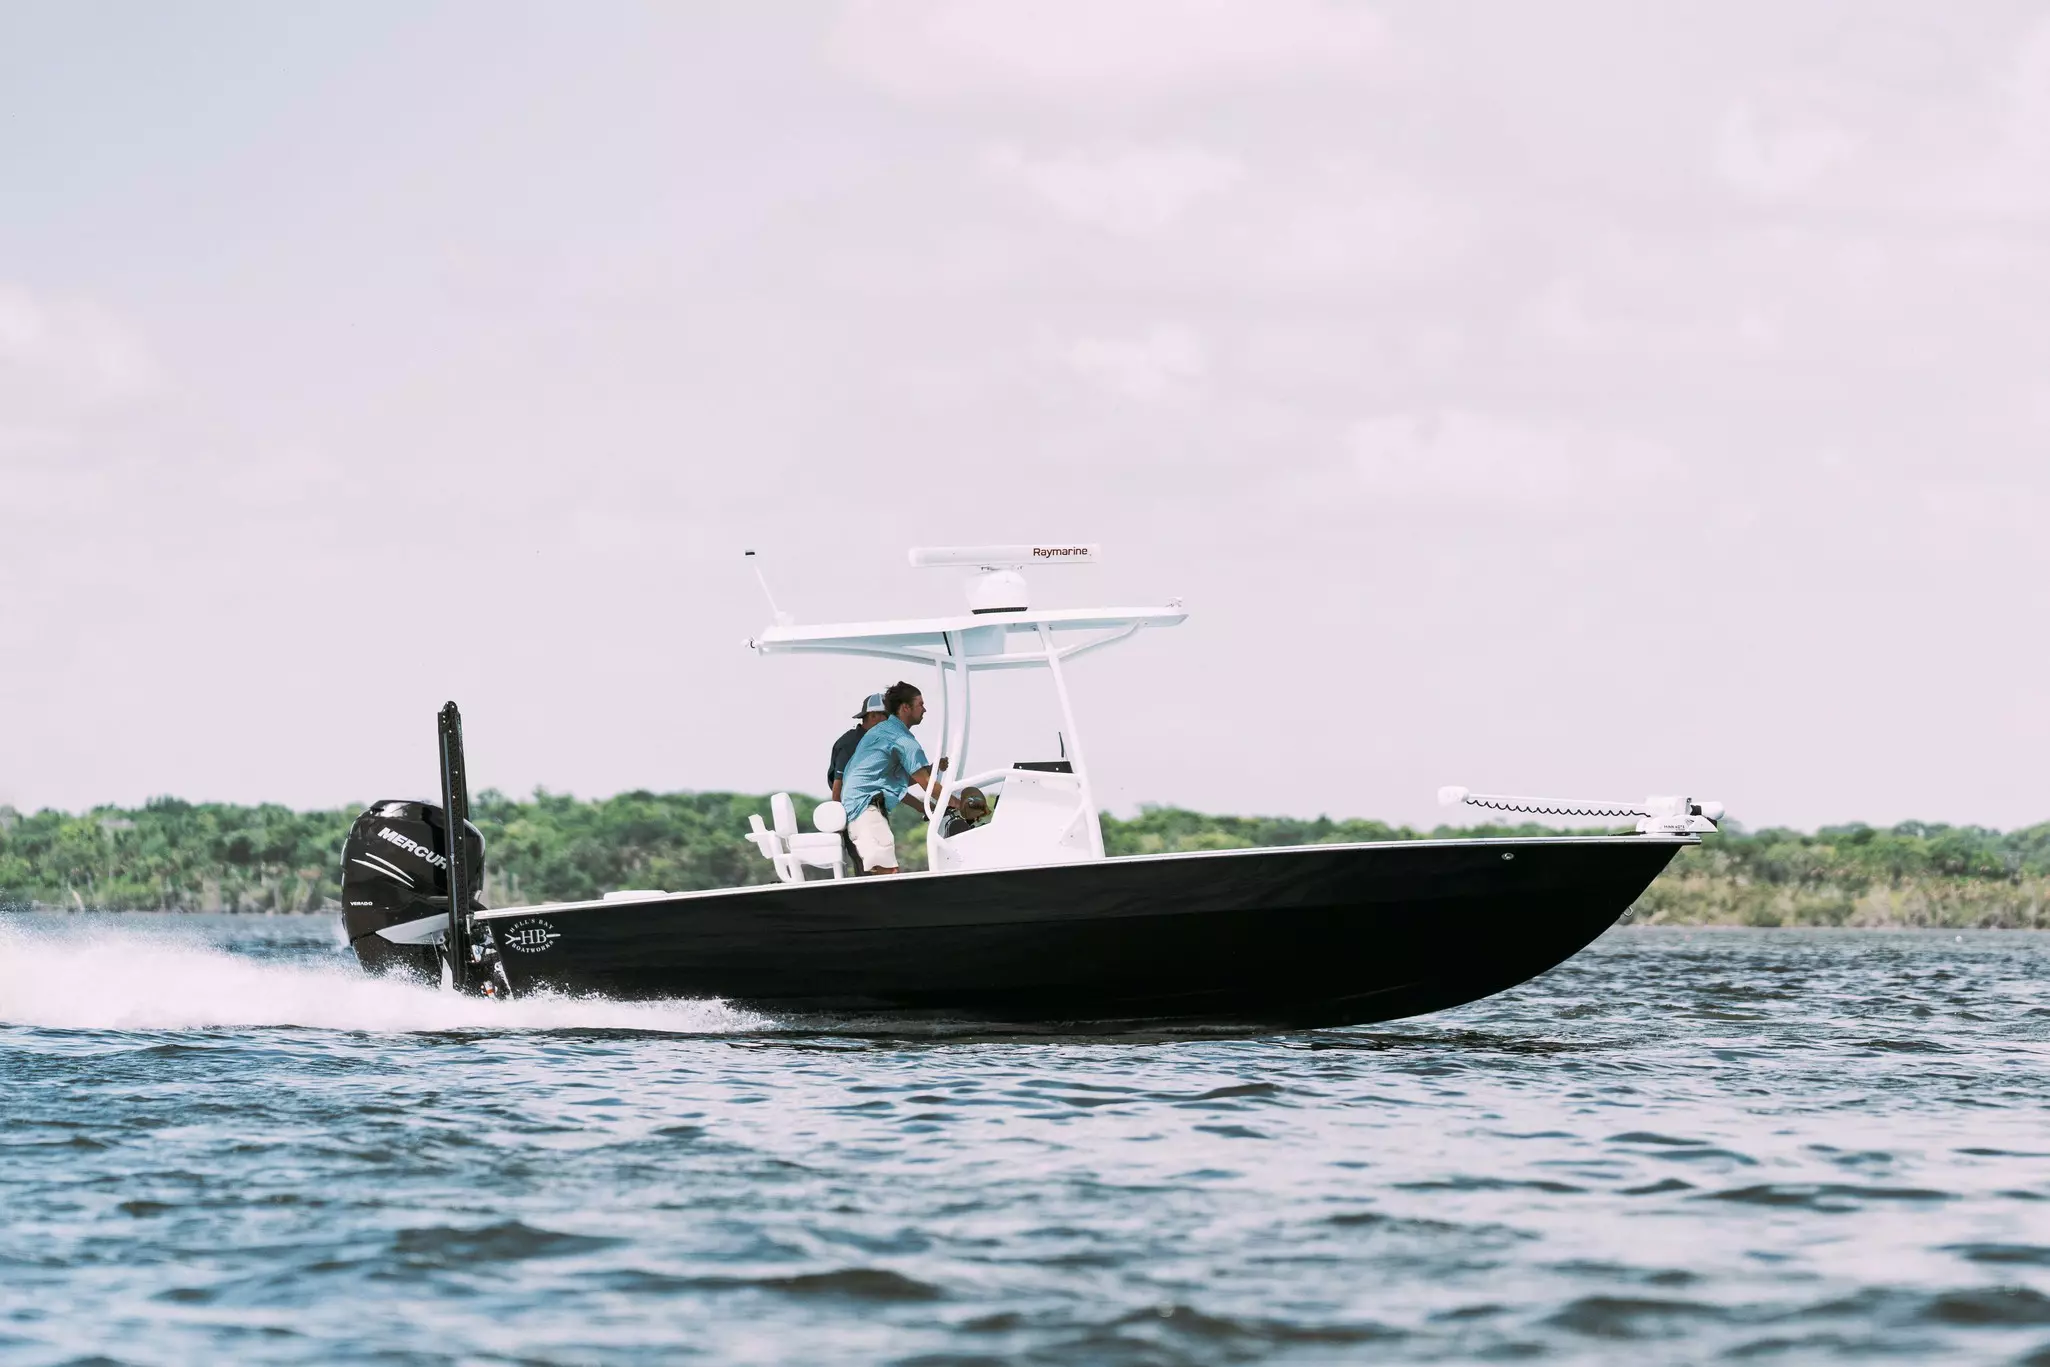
<point>218,1142</point>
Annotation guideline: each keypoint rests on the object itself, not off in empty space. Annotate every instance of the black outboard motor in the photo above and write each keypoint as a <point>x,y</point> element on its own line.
<point>395,877</point>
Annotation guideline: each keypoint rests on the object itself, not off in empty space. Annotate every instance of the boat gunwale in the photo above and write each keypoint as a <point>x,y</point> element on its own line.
<point>663,899</point>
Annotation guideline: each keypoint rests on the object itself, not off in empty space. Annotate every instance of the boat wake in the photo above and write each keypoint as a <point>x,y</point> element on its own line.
<point>58,977</point>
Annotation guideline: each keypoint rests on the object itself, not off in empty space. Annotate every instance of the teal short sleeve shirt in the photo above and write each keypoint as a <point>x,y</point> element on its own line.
<point>883,763</point>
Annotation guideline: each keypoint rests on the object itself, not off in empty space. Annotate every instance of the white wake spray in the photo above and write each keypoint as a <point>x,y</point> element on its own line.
<point>108,978</point>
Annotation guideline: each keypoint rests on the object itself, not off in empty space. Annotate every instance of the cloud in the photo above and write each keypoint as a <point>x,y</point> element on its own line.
<point>73,380</point>
<point>1977,153</point>
<point>1776,161</point>
<point>1201,224</point>
<point>60,352</point>
<point>1626,309</point>
<point>1463,460</point>
<point>1160,364</point>
<point>2014,178</point>
<point>295,477</point>
<point>1959,513</point>
<point>1343,223</point>
<point>1129,51</point>
<point>1128,190</point>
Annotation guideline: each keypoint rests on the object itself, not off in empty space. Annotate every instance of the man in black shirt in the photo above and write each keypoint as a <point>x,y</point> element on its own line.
<point>843,749</point>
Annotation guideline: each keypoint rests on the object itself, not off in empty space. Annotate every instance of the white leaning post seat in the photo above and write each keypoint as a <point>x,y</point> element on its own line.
<point>767,841</point>
<point>818,850</point>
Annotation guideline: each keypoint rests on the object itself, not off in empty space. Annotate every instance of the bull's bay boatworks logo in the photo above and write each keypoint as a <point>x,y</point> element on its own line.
<point>531,936</point>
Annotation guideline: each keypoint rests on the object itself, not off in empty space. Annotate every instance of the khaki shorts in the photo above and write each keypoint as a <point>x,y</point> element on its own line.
<point>872,839</point>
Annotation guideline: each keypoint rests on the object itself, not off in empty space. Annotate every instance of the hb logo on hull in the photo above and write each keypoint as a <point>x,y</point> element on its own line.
<point>531,936</point>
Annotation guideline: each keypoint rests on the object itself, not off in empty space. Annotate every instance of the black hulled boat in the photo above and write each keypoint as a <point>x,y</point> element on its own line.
<point>1022,920</point>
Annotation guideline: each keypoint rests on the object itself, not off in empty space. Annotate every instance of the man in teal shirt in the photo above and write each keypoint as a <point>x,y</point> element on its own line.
<point>886,766</point>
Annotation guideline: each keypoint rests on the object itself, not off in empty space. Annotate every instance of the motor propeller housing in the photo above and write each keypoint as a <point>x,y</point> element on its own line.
<point>394,875</point>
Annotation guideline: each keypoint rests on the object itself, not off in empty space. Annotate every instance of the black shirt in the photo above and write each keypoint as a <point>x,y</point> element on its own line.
<point>843,752</point>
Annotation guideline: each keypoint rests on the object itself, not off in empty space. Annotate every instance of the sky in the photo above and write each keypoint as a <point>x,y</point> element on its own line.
<point>1588,399</point>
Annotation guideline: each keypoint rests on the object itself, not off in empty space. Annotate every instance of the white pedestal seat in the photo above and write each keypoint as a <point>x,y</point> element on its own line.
<point>791,851</point>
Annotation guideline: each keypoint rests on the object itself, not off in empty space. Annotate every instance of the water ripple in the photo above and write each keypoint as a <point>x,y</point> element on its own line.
<point>219,1142</point>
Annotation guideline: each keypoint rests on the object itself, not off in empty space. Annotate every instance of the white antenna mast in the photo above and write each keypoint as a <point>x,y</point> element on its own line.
<point>783,619</point>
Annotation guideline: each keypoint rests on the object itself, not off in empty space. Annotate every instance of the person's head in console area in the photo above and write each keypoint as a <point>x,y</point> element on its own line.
<point>967,810</point>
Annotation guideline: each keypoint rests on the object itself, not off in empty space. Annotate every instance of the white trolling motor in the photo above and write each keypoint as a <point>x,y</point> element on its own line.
<point>1658,815</point>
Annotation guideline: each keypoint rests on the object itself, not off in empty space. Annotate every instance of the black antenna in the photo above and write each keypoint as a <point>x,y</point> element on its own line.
<point>455,807</point>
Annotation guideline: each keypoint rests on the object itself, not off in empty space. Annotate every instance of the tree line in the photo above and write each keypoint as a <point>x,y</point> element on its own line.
<point>174,855</point>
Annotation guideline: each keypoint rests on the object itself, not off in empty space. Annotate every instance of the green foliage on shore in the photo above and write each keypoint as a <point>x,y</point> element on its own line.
<point>170,854</point>
<point>174,855</point>
<point>1914,874</point>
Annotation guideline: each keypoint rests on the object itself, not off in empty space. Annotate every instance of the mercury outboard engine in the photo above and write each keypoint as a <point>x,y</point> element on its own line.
<point>411,872</point>
<point>395,879</point>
